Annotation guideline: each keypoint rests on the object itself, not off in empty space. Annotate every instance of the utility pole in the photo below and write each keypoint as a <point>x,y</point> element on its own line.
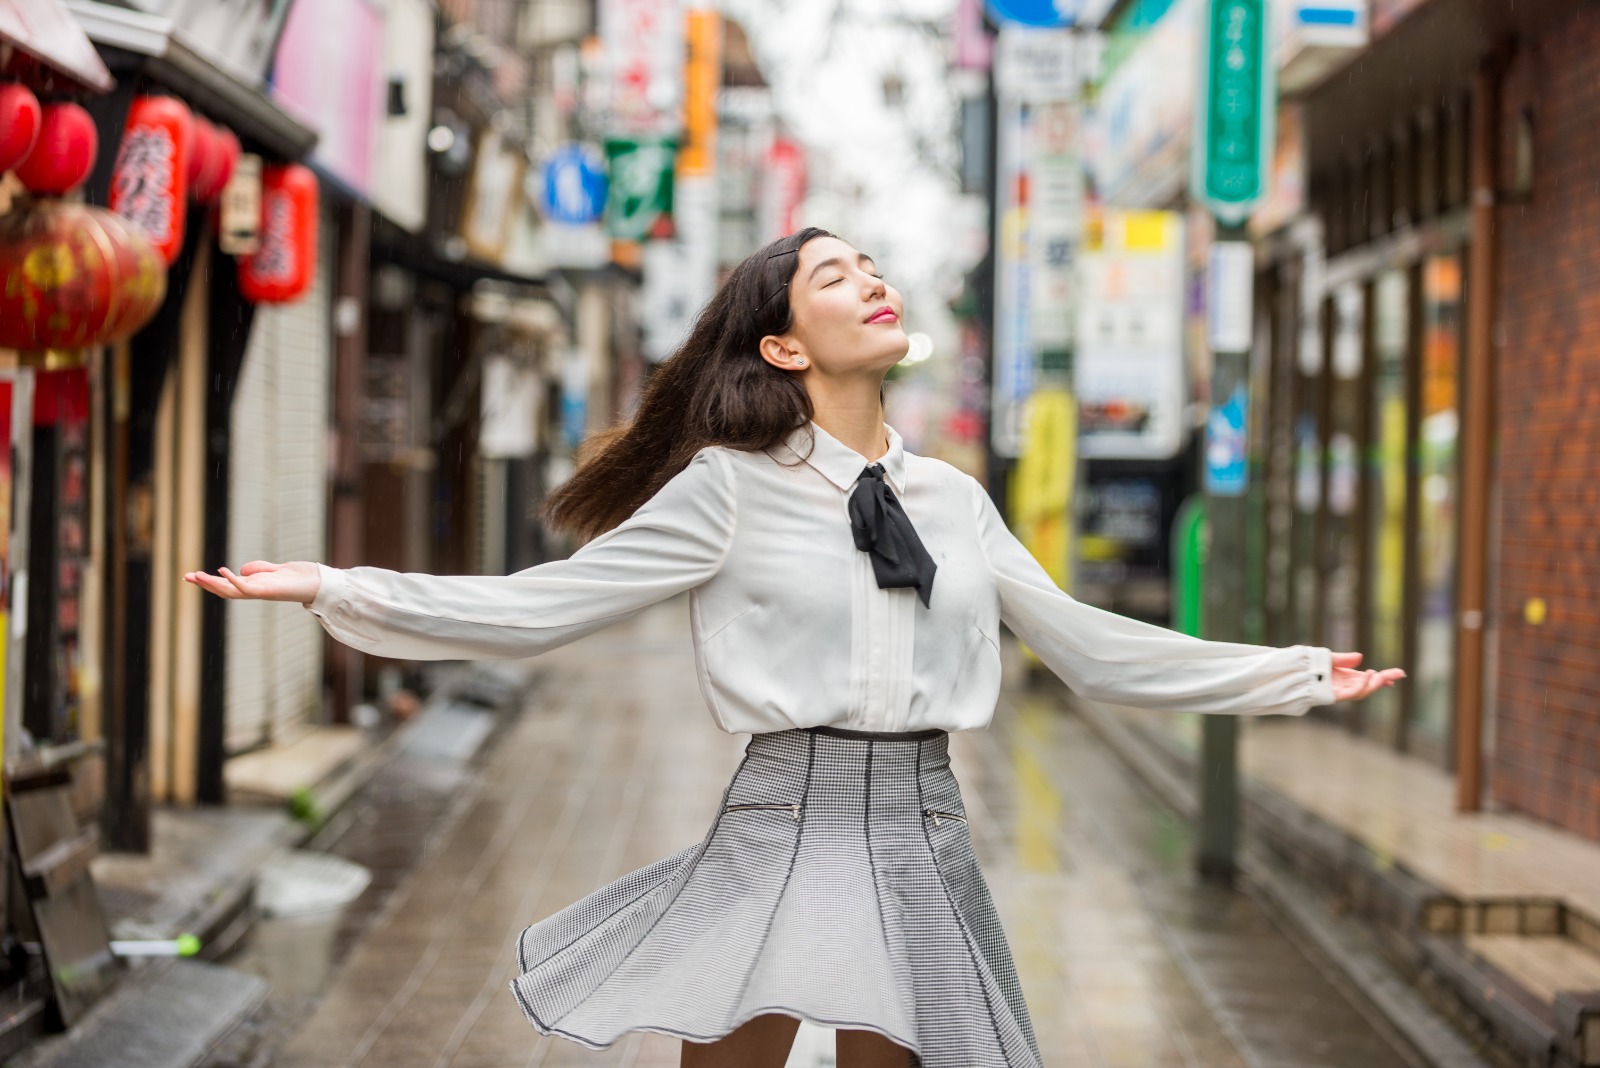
<point>1233,142</point>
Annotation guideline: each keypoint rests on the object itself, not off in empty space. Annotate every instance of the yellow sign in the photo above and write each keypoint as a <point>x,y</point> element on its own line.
<point>702,75</point>
<point>1041,490</point>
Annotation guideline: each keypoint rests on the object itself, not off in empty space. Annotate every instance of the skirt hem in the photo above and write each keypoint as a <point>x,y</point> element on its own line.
<point>687,1036</point>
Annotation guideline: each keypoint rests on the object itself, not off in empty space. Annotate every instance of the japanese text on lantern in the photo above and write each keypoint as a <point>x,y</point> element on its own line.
<point>275,261</point>
<point>143,181</point>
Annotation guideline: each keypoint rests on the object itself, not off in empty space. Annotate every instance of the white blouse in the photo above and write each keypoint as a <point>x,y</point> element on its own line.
<point>790,628</point>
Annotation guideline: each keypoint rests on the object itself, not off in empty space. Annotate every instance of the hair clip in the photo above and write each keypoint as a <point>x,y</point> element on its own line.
<point>774,293</point>
<point>782,252</point>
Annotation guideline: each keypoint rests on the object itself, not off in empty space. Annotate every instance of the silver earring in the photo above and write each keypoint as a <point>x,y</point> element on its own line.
<point>799,361</point>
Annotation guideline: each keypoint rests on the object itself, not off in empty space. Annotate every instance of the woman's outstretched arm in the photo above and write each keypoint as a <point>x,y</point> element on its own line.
<point>1107,657</point>
<point>674,542</point>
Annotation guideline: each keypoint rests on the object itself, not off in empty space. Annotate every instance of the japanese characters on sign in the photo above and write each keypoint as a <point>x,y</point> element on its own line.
<point>1234,138</point>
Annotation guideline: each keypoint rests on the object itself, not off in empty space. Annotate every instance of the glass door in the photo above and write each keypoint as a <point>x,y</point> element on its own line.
<point>1387,493</point>
<point>1428,731</point>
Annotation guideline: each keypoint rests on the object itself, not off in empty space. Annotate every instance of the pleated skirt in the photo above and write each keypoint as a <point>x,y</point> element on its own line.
<point>837,884</point>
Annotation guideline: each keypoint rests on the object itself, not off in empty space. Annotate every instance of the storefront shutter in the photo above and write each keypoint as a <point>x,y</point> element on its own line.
<point>278,510</point>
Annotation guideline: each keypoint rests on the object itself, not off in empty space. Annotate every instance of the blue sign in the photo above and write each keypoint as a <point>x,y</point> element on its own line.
<point>1226,470</point>
<point>574,185</point>
<point>1035,12</point>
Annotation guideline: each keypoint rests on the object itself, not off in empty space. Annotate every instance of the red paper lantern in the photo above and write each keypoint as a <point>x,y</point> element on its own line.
<point>283,267</point>
<point>20,116</point>
<point>150,185</point>
<point>64,152</point>
<point>73,275</point>
<point>216,161</point>
<point>230,156</point>
<point>203,134</point>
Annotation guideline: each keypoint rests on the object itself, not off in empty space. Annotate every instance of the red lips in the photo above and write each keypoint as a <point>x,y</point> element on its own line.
<point>883,315</point>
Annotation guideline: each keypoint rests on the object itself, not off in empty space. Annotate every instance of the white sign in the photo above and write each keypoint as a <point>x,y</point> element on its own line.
<point>644,47</point>
<point>680,275</point>
<point>1055,222</point>
<point>510,409</point>
<point>1042,64</point>
<point>1129,368</point>
<point>1232,278</point>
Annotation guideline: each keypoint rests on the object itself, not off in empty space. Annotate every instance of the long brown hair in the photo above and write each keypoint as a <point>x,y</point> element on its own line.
<point>714,390</point>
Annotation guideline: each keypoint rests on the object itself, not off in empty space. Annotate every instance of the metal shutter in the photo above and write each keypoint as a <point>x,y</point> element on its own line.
<point>278,505</point>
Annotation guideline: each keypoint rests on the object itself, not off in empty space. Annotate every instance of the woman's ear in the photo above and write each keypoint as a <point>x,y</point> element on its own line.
<point>782,354</point>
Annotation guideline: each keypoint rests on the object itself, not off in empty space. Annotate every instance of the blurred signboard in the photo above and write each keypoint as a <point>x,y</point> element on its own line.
<point>1144,115</point>
<point>1233,128</point>
<point>643,42</point>
<point>1129,365</point>
<point>783,188</point>
<point>639,196</point>
<point>574,188</point>
<point>329,73</point>
<point>1312,38</point>
<point>493,198</point>
<point>1055,225</point>
<point>1042,64</point>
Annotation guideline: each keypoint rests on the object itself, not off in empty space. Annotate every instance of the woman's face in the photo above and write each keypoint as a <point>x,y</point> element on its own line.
<point>846,318</point>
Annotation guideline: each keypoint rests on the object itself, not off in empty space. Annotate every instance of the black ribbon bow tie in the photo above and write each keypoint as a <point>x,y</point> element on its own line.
<point>884,532</point>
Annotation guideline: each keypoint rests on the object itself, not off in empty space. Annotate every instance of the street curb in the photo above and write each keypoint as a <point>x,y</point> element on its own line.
<point>1340,947</point>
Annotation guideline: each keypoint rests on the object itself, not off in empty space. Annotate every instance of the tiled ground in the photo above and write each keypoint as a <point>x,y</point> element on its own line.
<point>1125,961</point>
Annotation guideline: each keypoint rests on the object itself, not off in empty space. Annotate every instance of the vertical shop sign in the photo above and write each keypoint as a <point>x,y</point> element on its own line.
<point>783,187</point>
<point>1055,224</point>
<point>680,273</point>
<point>1234,137</point>
<point>643,41</point>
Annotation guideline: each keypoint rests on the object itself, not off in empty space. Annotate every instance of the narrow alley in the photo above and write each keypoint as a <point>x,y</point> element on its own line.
<point>614,763</point>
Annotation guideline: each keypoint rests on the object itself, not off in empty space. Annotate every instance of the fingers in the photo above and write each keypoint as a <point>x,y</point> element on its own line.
<point>255,567</point>
<point>212,584</point>
<point>238,583</point>
<point>1346,660</point>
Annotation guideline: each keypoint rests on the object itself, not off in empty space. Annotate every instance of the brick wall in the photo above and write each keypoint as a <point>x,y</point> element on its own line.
<point>1547,714</point>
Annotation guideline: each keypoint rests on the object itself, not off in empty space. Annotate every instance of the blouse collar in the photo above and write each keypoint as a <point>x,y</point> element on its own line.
<point>838,462</point>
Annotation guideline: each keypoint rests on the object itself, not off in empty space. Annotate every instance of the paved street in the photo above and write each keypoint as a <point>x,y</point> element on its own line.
<point>1125,962</point>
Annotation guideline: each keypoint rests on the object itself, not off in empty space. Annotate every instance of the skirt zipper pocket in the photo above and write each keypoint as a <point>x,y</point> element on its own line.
<point>793,809</point>
<point>938,817</point>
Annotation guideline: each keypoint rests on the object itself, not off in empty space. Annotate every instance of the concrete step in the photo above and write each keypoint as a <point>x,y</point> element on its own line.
<point>168,1016</point>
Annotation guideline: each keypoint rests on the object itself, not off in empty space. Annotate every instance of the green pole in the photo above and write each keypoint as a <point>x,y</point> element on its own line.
<point>1189,533</point>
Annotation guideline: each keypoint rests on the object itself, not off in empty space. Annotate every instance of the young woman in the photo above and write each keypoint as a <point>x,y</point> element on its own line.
<point>846,604</point>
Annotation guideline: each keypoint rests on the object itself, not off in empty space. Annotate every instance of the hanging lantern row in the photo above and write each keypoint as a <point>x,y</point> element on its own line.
<point>74,275</point>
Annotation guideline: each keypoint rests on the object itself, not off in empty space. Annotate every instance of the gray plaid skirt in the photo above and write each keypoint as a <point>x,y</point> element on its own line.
<point>837,885</point>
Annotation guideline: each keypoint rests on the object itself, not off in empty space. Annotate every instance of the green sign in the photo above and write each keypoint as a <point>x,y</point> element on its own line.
<point>639,193</point>
<point>1233,142</point>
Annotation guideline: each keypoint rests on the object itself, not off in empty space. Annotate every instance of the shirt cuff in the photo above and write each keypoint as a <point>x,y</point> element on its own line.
<point>330,591</point>
<point>1321,669</point>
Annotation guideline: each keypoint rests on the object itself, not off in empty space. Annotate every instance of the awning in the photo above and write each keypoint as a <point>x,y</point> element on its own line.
<point>136,42</point>
<point>46,31</point>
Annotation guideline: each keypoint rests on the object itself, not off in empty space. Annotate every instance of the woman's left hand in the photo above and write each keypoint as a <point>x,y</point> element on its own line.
<point>1350,683</point>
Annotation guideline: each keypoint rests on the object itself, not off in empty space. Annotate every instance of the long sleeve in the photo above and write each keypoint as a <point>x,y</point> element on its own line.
<point>674,542</point>
<point>1106,657</point>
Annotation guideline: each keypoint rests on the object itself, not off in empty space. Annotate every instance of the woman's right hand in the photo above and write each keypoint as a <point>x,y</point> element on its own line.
<point>262,580</point>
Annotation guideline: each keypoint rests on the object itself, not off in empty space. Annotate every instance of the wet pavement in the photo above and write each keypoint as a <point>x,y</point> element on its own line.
<point>1125,959</point>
